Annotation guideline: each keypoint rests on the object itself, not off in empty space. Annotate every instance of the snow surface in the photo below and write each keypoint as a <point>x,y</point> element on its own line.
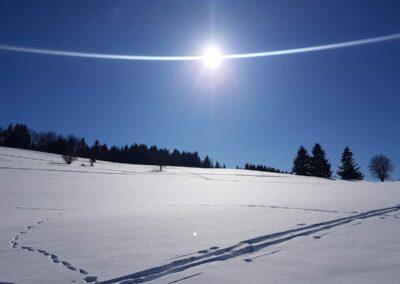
<point>118,223</point>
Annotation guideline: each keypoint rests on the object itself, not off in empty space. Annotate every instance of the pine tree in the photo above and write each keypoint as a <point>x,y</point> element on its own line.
<point>301,164</point>
<point>18,136</point>
<point>320,166</point>
<point>207,163</point>
<point>349,169</point>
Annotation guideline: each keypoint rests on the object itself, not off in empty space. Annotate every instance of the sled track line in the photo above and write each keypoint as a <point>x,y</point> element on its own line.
<point>242,248</point>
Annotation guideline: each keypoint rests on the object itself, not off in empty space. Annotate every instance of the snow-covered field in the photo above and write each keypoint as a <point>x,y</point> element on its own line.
<point>117,223</point>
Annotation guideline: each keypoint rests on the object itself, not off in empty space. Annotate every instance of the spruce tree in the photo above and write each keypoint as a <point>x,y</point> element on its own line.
<point>349,169</point>
<point>207,163</point>
<point>301,164</point>
<point>320,166</point>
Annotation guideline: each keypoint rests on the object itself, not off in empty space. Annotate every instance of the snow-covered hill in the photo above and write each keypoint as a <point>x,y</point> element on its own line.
<point>117,223</point>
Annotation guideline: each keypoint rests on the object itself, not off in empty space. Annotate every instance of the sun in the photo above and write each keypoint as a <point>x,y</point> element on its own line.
<point>212,57</point>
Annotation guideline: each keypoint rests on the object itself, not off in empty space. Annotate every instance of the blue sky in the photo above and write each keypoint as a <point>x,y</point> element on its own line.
<point>256,110</point>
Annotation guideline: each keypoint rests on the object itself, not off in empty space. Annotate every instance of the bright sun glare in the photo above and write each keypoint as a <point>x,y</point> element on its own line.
<point>212,57</point>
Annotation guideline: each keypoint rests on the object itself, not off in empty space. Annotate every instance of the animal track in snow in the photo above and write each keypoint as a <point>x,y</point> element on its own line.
<point>45,253</point>
<point>28,248</point>
<point>52,257</point>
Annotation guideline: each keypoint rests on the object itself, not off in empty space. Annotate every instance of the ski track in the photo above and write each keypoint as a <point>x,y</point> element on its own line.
<point>15,244</point>
<point>206,176</point>
<point>184,278</point>
<point>250,259</point>
<point>37,208</point>
<point>264,206</point>
<point>244,247</point>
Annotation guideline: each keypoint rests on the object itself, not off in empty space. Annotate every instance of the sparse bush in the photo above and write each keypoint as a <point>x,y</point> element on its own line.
<point>68,159</point>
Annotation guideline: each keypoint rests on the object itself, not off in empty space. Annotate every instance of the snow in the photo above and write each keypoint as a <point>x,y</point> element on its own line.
<point>123,223</point>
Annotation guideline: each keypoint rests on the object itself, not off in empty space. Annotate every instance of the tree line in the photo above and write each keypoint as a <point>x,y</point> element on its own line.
<point>20,136</point>
<point>262,168</point>
<point>318,165</point>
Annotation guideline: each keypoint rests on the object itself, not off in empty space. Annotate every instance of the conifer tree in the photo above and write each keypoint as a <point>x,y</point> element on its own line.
<point>17,136</point>
<point>349,169</point>
<point>207,163</point>
<point>301,164</point>
<point>320,166</point>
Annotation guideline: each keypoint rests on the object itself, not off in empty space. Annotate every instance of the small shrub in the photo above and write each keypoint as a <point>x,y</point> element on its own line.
<point>68,159</point>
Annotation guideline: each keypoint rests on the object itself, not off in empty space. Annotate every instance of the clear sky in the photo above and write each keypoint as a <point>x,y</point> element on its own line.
<point>257,110</point>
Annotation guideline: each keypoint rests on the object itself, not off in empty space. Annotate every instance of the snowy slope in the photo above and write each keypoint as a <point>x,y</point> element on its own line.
<point>119,223</point>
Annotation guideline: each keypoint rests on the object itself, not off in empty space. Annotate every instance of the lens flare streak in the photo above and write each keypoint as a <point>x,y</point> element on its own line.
<point>196,58</point>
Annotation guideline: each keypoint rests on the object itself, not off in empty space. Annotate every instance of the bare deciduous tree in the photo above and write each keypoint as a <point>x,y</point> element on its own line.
<point>68,159</point>
<point>380,167</point>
